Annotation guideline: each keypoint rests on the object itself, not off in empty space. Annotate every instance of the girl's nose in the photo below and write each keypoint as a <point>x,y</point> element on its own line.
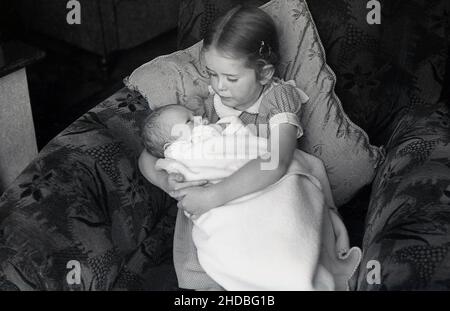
<point>220,85</point>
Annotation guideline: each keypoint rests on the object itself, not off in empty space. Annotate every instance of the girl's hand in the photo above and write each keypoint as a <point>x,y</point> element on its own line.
<point>197,200</point>
<point>176,182</point>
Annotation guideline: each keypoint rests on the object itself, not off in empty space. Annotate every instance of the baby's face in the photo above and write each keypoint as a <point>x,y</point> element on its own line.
<point>176,116</point>
<point>179,119</point>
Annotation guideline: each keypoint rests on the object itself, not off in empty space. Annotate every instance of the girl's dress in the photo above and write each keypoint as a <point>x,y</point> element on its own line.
<point>280,102</point>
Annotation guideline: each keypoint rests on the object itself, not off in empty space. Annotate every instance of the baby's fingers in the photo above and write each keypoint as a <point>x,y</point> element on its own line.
<point>180,204</point>
<point>188,184</point>
<point>177,195</point>
<point>176,177</point>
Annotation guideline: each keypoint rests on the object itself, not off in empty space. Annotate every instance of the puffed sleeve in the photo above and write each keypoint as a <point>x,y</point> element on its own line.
<point>282,104</point>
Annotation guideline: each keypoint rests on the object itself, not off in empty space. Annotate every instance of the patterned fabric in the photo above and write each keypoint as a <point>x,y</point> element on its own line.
<point>190,273</point>
<point>344,148</point>
<point>384,69</point>
<point>84,199</point>
<point>408,221</point>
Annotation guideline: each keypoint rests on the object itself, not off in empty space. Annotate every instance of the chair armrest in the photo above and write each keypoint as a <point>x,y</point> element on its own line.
<point>84,199</point>
<point>408,218</point>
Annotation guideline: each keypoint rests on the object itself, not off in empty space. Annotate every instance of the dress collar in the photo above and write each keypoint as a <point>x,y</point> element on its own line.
<point>225,111</point>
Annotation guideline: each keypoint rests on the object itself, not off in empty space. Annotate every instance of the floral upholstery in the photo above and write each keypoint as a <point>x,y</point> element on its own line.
<point>84,199</point>
<point>383,70</point>
<point>408,223</point>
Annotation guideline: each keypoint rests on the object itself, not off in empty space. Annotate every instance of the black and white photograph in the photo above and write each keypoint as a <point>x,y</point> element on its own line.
<point>245,146</point>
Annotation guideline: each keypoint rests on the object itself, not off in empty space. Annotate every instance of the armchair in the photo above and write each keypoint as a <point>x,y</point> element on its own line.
<point>83,198</point>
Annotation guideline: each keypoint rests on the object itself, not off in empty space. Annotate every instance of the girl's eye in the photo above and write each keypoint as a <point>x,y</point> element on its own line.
<point>232,80</point>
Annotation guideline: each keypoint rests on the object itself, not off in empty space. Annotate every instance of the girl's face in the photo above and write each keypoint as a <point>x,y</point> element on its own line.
<point>232,80</point>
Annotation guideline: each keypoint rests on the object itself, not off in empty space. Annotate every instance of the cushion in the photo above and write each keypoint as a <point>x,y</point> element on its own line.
<point>344,148</point>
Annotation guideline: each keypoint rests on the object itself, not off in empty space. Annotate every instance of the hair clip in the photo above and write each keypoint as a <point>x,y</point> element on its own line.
<point>261,48</point>
<point>263,44</point>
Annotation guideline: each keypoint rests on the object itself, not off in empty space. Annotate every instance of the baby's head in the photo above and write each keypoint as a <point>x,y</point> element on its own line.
<point>157,129</point>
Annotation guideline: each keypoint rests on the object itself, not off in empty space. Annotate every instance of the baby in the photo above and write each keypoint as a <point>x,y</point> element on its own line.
<point>174,132</point>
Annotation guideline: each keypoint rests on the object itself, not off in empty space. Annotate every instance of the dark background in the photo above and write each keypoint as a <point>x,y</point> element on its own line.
<point>69,80</point>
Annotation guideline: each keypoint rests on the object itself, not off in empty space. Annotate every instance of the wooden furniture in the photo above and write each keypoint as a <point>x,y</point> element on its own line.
<point>17,136</point>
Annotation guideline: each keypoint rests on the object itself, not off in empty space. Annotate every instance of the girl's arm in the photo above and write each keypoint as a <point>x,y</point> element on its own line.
<point>147,167</point>
<point>251,178</point>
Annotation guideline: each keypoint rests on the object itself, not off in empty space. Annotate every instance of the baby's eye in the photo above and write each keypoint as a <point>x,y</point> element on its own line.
<point>212,74</point>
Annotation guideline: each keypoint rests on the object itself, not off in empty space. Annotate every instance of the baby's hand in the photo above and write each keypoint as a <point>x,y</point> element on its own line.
<point>230,119</point>
<point>176,182</point>
<point>195,104</point>
<point>196,200</point>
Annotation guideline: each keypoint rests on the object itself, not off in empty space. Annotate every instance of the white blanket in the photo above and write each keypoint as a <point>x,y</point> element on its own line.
<point>280,238</point>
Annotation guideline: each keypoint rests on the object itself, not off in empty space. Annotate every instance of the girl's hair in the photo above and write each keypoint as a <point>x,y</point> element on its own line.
<point>245,32</point>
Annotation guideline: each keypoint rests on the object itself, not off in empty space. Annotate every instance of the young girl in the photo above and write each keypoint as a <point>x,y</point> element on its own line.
<point>240,53</point>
